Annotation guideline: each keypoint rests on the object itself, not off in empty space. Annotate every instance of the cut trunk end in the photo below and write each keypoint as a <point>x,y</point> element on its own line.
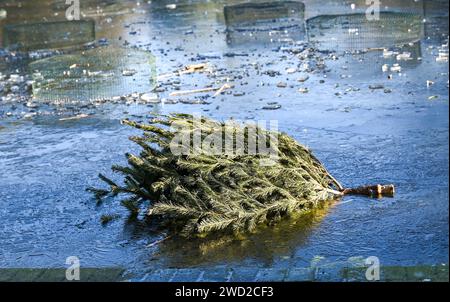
<point>373,191</point>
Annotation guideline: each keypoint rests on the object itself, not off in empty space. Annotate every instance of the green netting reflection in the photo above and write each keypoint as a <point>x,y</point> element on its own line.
<point>48,35</point>
<point>99,73</point>
<point>357,32</point>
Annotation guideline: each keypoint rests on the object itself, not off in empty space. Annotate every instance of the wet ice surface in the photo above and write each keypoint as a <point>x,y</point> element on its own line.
<point>392,132</point>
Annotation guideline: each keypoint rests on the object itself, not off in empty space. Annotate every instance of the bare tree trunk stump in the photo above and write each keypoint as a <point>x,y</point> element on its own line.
<point>375,190</point>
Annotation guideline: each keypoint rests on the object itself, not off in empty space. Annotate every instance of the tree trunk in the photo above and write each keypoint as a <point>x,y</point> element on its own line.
<point>374,191</point>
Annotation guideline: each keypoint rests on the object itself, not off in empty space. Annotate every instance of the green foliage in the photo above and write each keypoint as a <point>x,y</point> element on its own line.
<point>105,219</point>
<point>201,193</point>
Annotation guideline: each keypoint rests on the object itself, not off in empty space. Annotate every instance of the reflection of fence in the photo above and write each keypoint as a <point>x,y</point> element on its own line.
<point>284,21</point>
<point>265,15</point>
<point>355,32</point>
<point>437,21</point>
<point>265,22</point>
<point>48,34</point>
<point>314,8</point>
<point>99,73</point>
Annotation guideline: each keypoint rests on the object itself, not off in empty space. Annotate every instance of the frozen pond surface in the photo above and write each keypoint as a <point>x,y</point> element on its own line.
<point>365,127</point>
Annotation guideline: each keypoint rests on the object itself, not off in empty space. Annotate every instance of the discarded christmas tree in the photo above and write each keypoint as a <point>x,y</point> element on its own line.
<point>197,192</point>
